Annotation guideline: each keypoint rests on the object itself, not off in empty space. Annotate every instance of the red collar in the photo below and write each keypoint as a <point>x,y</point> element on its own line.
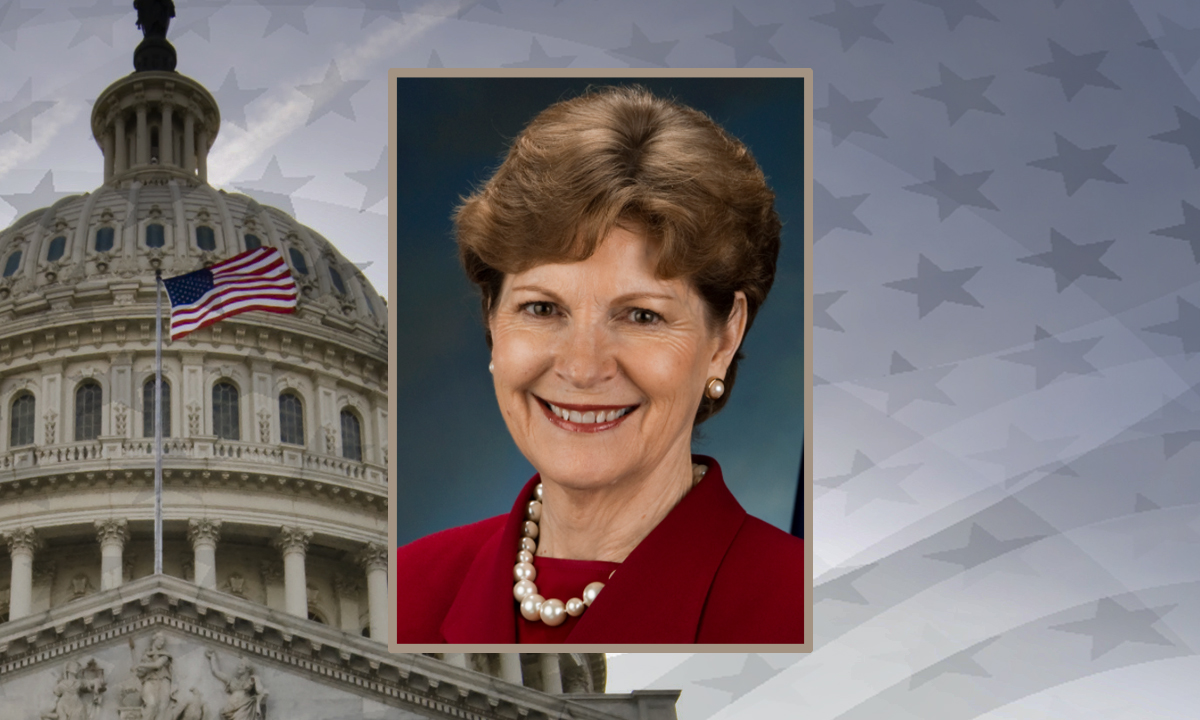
<point>674,564</point>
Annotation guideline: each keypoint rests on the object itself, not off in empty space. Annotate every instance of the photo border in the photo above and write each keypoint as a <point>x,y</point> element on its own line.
<point>806,453</point>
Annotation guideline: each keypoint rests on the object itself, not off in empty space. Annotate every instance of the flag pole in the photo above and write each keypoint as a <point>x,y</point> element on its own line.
<point>158,531</point>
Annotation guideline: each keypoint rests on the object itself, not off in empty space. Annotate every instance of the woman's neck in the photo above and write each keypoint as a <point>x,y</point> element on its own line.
<point>607,524</point>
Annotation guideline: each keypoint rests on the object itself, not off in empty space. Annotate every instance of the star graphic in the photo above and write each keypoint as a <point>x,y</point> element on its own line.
<point>934,286</point>
<point>1023,455</point>
<point>1071,262</point>
<point>1051,357</point>
<point>196,20</point>
<point>1075,72</point>
<point>842,588</point>
<point>539,59</point>
<point>233,100</point>
<point>466,6</point>
<point>286,12</point>
<point>374,180</point>
<point>905,384</point>
<point>1078,165</point>
<point>43,196</point>
<point>1178,525</point>
<point>13,17</point>
<point>755,671</point>
<point>1176,424</point>
<point>952,190</point>
<point>97,21</point>
<point>1183,43</point>
<point>958,10</point>
<point>1187,134</point>
<point>749,41</point>
<point>16,115</point>
<point>332,94</point>
<point>846,116</point>
<point>960,663</point>
<point>853,22</point>
<point>830,213</point>
<point>642,49</point>
<point>1186,326</point>
<point>960,95</point>
<point>981,547</point>
<point>273,188</point>
<point>821,303</point>
<point>881,484</point>
<point>435,60</point>
<point>375,9</point>
<point>1113,625</point>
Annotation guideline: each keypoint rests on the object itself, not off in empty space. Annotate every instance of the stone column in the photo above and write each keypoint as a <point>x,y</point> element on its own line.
<point>204,535</point>
<point>551,673</point>
<point>166,139</point>
<point>22,543</point>
<point>121,156</point>
<point>109,155</point>
<point>510,668</point>
<point>112,534</point>
<point>202,154</point>
<point>456,659</point>
<point>142,140</point>
<point>189,142</point>
<point>293,544</point>
<point>374,559</point>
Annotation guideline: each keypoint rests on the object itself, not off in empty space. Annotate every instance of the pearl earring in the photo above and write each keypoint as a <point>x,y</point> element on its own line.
<point>714,388</point>
<point>491,367</point>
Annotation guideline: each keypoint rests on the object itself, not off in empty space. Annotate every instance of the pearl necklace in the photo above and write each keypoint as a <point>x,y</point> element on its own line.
<point>534,607</point>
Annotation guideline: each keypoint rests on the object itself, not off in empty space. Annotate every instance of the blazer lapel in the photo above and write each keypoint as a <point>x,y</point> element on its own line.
<point>658,594</point>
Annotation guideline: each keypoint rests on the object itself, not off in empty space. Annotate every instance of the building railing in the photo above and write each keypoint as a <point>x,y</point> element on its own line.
<point>175,449</point>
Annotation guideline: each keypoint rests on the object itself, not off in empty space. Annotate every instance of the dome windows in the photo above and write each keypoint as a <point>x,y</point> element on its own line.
<point>155,237</point>
<point>205,238</point>
<point>298,261</point>
<point>58,246</point>
<point>21,417</point>
<point>252,241</point>
<point>13,264</point>
<point>225,411</point>
<point>148,408</point>
<point>88,410</point>
<point>291,419</point>
<point>104,239</point>
<point>351,436</point>
<point>338,284</point>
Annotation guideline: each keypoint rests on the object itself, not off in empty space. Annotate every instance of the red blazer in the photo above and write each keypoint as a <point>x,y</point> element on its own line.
<point>710,573</point>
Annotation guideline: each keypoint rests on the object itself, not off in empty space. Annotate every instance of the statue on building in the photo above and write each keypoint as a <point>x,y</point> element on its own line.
<point>155,673</point>
<point>77,693</point>
<point>154,16</point>
<point>247,696</point>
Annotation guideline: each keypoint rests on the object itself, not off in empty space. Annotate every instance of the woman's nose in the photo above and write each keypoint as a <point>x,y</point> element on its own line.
<point>585,356</point>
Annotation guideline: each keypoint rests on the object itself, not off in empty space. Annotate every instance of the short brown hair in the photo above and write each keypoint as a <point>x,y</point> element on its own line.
<point>622,156</point>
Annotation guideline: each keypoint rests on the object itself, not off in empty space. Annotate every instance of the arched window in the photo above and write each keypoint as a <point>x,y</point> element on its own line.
<point>154,236</point>
<point>298,261</point>
<point>225,411</point>
<point>21,432</point>
<point>205,240</point>
<point>252,241</point>
<point>104,239</point>
<point>14,262</point>
<point>58,246</point>
<point>148,408</point>
<point>291,419</point>
<point>336,277</point>
<point>351,436</point>
<point>88,407</point>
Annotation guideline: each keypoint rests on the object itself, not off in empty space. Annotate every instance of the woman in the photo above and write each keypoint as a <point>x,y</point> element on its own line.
<point>245,691</point>
<point>622,251</point>
<point>155,673</point>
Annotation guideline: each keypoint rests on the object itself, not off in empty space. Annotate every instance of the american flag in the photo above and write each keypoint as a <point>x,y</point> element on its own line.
<point>257,279</point>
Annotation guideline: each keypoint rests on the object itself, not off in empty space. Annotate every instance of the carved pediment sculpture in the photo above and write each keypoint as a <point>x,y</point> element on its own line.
<point>246,696</point>
<point>78,692</point>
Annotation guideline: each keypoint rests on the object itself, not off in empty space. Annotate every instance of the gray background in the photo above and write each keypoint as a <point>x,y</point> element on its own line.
<point>458,463</point>
<point>1007,217</point>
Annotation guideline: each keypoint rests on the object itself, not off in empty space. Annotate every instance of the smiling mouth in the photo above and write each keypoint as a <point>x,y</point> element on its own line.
<point>586,418</point>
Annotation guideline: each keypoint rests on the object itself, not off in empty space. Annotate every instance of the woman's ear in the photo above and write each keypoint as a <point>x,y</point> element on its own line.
<point>729,336</point>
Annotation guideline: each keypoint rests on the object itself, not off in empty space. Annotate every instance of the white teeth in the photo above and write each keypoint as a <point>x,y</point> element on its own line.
<point>576,416</point>
<point>588,417</point>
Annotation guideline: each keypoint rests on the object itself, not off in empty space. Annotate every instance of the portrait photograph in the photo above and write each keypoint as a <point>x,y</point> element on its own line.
<point>601,359</point>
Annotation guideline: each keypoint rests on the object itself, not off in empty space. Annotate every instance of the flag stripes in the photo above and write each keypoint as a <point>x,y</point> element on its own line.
<point>257,279</point>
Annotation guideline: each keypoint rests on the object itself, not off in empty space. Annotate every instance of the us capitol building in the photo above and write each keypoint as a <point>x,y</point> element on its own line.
<point>273,601</point>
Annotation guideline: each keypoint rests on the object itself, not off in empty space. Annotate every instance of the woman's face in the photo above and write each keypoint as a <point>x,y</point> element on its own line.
<point>599,365</point>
